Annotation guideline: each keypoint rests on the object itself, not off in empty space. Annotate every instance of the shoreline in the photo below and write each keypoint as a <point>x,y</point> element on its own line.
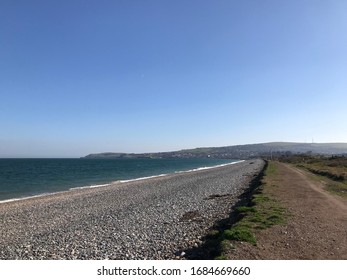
<point>114,182</point>
<point>156,218</point>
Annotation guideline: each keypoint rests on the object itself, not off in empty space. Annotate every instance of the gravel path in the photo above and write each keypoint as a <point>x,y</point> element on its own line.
<point>155,218</point>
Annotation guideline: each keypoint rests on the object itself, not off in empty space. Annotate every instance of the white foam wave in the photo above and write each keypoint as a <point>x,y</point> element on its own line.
<point>210,167</point>
<point>53,193</point>
<point>142,178</point>
<point>90,187</point>
<point>27,197</point>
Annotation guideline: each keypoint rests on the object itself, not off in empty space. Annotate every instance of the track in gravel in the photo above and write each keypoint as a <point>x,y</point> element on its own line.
<point>156,218</point>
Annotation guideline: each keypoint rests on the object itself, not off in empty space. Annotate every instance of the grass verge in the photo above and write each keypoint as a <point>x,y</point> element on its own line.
<point>330,170</point>
<point>262,211</point>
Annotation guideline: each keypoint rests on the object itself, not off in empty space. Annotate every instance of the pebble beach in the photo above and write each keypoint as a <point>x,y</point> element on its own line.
<point>156,218</point>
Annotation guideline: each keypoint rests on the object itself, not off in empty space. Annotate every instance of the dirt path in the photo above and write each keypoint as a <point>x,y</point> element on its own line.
<point>316,227</point>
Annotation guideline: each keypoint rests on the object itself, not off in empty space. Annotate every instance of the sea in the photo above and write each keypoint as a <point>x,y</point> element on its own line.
<point>23,178</point>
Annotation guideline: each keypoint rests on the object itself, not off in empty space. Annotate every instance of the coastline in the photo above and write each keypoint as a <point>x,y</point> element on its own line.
<point>115,182</point>
<point>153,218</point>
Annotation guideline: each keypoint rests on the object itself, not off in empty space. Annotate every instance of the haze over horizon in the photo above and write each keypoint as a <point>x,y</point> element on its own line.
<point>80,77</point>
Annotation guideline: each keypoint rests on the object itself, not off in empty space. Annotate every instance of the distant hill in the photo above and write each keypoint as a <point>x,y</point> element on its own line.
<point>240,151</point>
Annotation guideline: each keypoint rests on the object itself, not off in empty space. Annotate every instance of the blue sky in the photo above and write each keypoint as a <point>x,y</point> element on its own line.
<point>79,77</point>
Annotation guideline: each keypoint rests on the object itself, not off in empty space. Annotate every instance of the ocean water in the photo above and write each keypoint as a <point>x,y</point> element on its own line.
<point>21,178</point>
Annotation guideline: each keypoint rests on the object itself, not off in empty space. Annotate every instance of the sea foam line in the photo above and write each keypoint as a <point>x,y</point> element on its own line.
<point>119,181</point>
<point>29,197</point>
<point>142,178</point>
<point>210,167</point>
<point>91,186</point>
